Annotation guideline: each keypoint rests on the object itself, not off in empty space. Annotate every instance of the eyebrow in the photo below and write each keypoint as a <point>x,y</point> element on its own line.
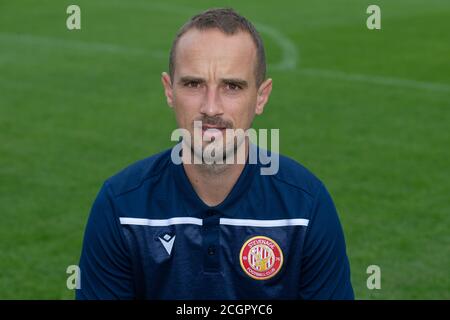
<point>187,79</point>
<point>236,81</point>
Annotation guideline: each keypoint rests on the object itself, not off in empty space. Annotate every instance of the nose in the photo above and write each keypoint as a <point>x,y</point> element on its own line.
<point>211,105</point>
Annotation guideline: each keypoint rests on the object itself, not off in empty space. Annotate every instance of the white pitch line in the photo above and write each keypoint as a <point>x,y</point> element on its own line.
<point>152,6</point>
<point>289,52</point>
<point>288,62</point>
<point>376,80</point>
<point>37,40</point>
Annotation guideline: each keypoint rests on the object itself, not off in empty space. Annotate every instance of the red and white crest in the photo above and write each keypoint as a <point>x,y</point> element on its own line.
<point>261,258</point>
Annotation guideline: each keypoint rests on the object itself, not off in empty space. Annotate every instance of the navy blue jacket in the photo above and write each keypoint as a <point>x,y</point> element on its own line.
<point>149,236</point>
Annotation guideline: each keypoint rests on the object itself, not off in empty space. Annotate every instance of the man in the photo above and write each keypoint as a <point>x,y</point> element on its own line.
<point>161,229</point>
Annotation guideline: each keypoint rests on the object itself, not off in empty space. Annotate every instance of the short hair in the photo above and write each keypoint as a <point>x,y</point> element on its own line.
<point>229,22</point>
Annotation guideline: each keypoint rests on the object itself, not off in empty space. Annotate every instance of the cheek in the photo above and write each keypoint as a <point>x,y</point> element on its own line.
<point>243,111</point>
<point>186,108</point>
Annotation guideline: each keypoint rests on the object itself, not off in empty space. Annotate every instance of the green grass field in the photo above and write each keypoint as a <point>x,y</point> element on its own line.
<point>367,111</point>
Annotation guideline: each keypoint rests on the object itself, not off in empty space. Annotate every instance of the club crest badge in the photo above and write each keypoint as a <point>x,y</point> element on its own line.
<point>261,258</point>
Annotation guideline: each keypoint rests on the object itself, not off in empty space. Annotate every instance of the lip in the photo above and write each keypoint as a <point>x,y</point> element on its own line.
<point>207,127</point>
<point>213,133</point>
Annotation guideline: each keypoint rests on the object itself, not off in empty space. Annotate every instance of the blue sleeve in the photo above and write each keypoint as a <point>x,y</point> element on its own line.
<point>325,267</point>
<point>105,265</point>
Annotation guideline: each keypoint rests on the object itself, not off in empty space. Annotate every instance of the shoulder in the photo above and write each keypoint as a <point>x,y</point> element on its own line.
<point>293,175</point>
<point>134,175</point>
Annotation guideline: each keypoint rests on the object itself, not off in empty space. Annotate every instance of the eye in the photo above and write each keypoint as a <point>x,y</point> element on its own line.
<point>233,86</point>
<point>192,84</point>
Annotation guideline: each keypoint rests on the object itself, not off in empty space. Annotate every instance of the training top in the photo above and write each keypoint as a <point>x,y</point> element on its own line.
<point>150,236</point>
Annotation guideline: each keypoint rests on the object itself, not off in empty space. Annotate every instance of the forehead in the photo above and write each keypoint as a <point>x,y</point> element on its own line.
<point>213,53</point>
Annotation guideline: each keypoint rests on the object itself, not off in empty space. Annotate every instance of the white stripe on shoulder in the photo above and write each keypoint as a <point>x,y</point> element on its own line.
<point>161,222</point>
<point>223,221</point>
<point>264,223</point>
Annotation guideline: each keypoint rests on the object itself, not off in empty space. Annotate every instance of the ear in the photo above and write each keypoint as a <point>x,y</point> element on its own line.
<point>263,96</point>
<point>168,91</point>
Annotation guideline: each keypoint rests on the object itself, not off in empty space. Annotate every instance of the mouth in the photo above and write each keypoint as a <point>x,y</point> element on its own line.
<point>211,127</point>
<point>213,132</point>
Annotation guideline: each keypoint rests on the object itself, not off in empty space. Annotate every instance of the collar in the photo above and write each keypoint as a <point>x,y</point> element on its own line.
<point>196,206</point>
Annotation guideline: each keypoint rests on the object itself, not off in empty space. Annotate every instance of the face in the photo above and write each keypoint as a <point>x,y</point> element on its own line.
<point>214,82</point>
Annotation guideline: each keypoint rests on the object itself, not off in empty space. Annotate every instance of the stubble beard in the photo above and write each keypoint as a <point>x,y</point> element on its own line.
<point>211,167</point>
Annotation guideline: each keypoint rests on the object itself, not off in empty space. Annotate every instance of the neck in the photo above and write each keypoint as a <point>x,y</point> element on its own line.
<point>213,183</point>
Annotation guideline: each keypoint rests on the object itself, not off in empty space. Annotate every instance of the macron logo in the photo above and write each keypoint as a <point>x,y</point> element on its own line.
<point>167,241</point>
